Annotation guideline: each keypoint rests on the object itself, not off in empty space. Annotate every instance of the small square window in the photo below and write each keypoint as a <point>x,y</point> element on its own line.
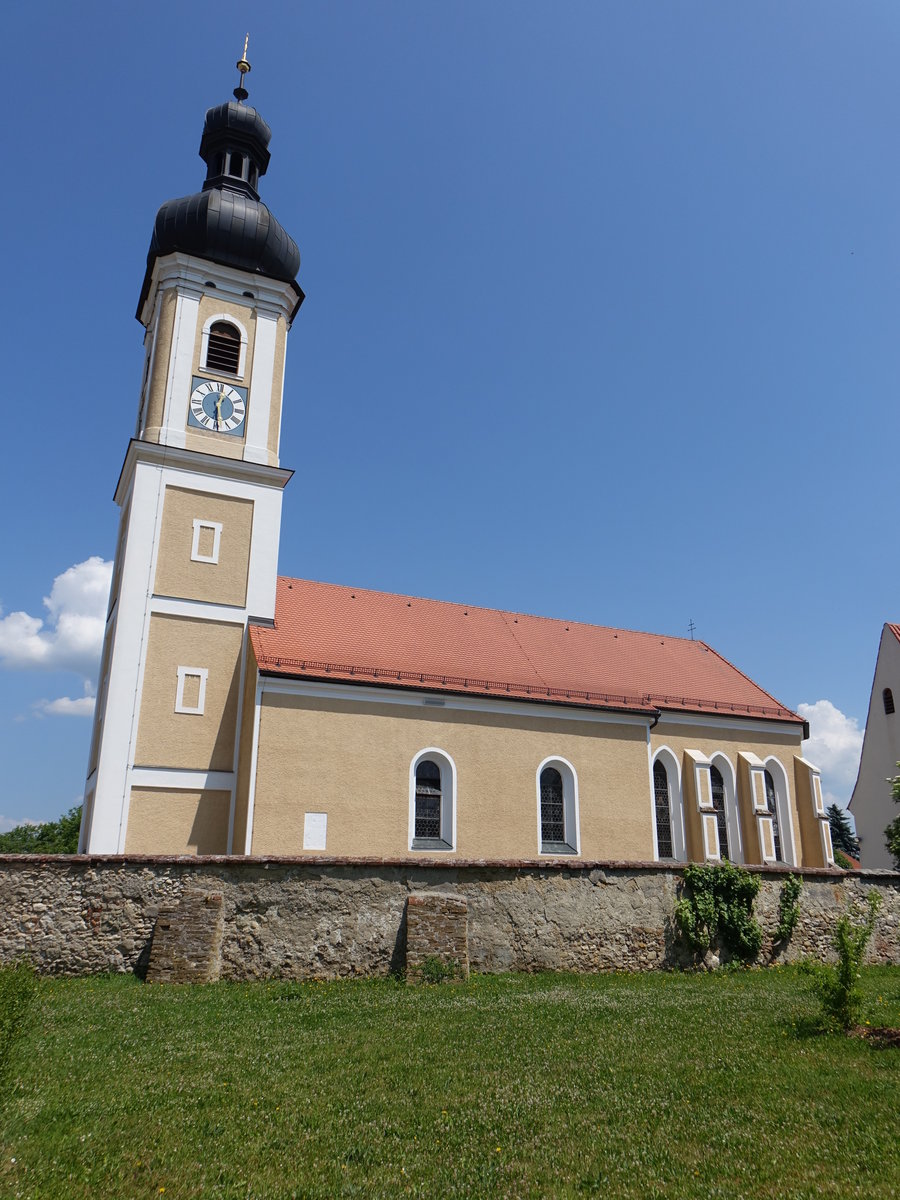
<point>190,696</point>
<point>206,542</point>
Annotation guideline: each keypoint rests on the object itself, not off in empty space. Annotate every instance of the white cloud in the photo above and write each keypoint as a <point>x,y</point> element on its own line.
<point>66,707</point>
<point>835,744</point>
<point>70,636</point>
<point>7,823</point>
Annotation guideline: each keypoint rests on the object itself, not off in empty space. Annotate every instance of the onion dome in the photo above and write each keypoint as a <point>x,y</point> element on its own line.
<point>226,222</point>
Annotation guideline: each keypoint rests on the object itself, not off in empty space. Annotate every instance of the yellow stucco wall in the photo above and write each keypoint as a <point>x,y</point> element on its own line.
<point>156,386</point>
<point>224,582</point>
<point>162,821</point>
<point>723,741</point>
<point>170,739</point>
<point>352,761</point>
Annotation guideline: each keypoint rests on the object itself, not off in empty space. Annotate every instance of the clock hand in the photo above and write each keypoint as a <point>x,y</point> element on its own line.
<point>219,408</point>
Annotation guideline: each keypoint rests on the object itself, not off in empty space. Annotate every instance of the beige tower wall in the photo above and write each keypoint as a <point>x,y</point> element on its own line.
<point>351,761</point>
<point>159,374</point>
<point>177,822</point>
<point>177,574</point>
<point>170,739</point>
<point>872,805</point>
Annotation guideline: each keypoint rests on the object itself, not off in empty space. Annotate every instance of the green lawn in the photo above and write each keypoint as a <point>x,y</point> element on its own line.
<point>661,1085</point>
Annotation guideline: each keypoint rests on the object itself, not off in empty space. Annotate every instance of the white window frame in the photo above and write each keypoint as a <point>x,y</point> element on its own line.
<point>199,526</point>
<point>448,801</point>
<point>732,816</point>
<point>571,823</point>
<point>666,757</point>
<point>204,344</point>
<point>185,673</point>
<point>782,808</point>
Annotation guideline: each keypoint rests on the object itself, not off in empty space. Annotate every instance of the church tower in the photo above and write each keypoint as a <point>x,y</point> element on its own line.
<point>200,497</point>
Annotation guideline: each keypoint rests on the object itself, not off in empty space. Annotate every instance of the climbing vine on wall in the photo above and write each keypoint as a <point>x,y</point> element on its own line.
<point>788,908</point>
<point>716,906</point>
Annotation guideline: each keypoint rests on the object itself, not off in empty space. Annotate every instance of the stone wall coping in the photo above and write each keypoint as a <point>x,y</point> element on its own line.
<point>319,861</point>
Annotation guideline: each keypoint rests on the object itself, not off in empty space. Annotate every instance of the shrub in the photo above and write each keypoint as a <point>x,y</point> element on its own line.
<point>838,985</point>
<point>717,906</point>
<point>437,970</point>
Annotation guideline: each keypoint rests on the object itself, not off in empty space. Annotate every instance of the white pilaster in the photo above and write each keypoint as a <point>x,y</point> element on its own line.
<point>256,448</point>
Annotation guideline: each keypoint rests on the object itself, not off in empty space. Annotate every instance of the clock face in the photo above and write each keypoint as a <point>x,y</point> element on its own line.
<point>217,406</point>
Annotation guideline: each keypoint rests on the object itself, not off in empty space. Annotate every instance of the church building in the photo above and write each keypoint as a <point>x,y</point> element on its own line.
<point>243,713</point>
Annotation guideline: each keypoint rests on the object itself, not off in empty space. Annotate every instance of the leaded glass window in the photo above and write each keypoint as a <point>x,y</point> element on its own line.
<point>663,810</point>
<point>717,784</point>
<point>553,816</point>
<point>428,800</point>
<point>773,813</point>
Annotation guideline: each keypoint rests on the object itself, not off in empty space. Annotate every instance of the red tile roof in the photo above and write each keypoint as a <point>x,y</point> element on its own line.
<point>895,630</point>
<point>324,631</point>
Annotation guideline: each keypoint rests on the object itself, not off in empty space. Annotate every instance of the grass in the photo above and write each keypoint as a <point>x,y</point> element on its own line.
<point>509,1086</point>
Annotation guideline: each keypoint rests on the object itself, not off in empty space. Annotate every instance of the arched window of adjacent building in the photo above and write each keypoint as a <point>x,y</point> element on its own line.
<point>557,807</point>
<point>223,351</point>
<point>717,784</point>
<point>772,804</point>
<point>664,848</point>
<point>432,801</point>
<point>888,697</point>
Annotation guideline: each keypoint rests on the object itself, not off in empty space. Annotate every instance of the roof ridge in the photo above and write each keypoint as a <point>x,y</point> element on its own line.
<point>507,612</point>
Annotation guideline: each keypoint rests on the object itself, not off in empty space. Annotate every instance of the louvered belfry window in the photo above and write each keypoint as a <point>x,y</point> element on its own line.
<point>718,798</point>
<point>224,350</point>
<point>428,800</point>
<point>888,697</point>
<point>663,811</point>
<point>553,821</point>
<point>773,813</point>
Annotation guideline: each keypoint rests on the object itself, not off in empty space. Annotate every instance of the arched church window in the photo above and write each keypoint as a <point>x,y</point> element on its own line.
<point>428,800</point>
<point>557,807</point>
<point>432,800</point>
<point>224,350</point>
<point>553,819</point>
<point>236,166</point>
<point>773,813</point>
<point>717,785</point>
<point>888,697</point>
<point>663,811</point>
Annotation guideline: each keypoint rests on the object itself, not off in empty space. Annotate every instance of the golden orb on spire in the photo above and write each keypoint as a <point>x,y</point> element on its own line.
<point>243,66</point>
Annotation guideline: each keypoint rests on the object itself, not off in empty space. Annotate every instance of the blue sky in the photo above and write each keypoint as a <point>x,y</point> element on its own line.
<point>601,322</point>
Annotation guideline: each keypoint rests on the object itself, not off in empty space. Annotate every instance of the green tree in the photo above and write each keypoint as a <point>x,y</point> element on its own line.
<point>52,837</point>
<point>842,835</point>
<point>892,833</point>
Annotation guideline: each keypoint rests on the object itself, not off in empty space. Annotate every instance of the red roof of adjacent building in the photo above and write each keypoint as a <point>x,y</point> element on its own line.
<point>325,631</point>
<point>895,630</point>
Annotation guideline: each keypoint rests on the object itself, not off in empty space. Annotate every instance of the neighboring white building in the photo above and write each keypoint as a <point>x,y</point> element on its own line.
<point>871,803</point>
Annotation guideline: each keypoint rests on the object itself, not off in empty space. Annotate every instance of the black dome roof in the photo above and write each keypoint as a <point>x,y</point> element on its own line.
<point>227,222</point>
<point>227,227</point>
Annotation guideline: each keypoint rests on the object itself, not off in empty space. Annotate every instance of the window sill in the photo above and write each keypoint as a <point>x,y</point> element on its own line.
<point>557,848</point>
<point>430,844</point>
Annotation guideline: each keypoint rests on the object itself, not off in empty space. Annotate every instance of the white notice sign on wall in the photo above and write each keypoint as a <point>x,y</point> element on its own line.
<point>314,831</point>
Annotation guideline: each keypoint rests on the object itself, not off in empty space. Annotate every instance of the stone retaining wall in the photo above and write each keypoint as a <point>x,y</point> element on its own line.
<point>325,917</point>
